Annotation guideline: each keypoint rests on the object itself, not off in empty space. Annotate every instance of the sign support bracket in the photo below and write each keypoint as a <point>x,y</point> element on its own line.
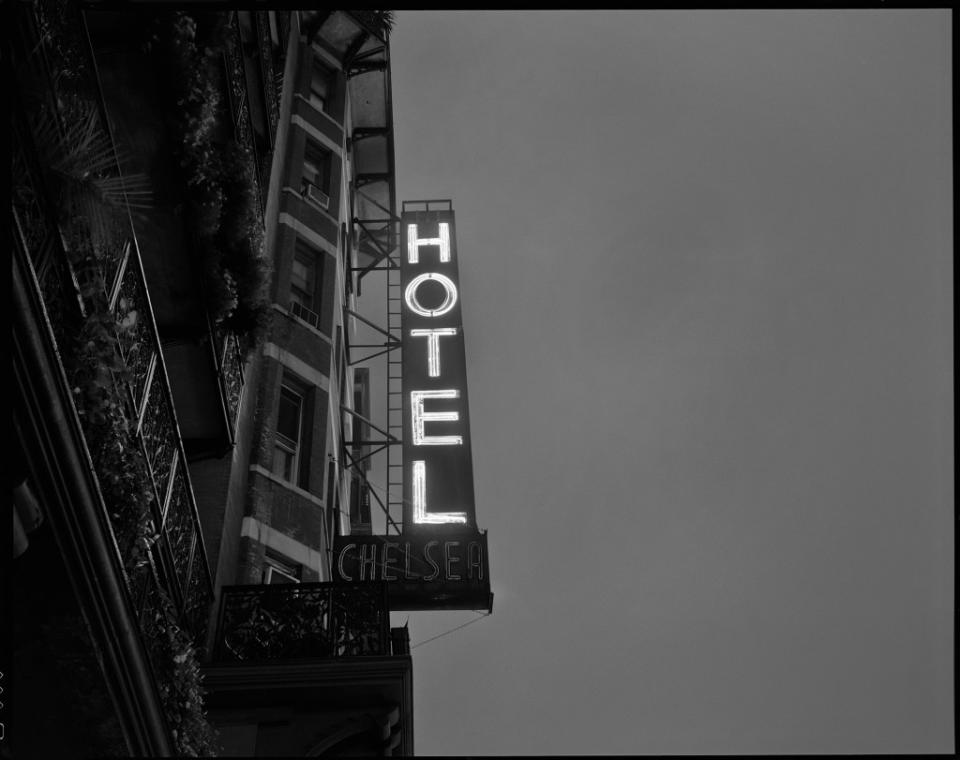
<point>352,463</point>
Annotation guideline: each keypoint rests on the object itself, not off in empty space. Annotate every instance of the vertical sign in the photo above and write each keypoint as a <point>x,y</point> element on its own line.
<point>440,559</point>
<point>438,477</point>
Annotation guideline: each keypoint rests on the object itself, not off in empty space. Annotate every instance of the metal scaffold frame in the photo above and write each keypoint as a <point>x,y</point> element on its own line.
<point>379,238</point>
<point>373,242</point>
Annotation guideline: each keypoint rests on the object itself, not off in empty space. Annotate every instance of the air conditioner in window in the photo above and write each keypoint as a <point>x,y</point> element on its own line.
<point>316,195</point>
<point>308,316</point>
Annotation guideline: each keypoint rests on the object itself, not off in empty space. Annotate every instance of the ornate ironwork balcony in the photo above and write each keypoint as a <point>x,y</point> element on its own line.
<point>34,224</point>
<point>180,563</point>
<point>176,568</point>
<point>236,80</point>
<point>267,72</point>
<point>303,620</point>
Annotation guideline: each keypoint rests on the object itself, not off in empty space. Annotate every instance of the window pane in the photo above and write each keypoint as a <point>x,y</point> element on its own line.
<point>321,86</point>
<point>302,272</point>
<point>310,171</point>
<point>304,283</point>
<point>288,417</point>
<point>283,461</point>
<point>301,298</point>
<point>303,279</point>
<point>316,167</point>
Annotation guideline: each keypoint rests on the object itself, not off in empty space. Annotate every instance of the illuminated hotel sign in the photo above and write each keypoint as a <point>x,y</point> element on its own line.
<point>438,477</point>
<point>440,560</point>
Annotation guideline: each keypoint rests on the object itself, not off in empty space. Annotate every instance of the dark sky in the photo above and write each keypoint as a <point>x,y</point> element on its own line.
<point>706,278</point>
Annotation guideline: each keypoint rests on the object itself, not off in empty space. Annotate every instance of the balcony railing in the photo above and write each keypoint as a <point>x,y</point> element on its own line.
<point>267,71</point>
<point>180,558</point>
<point>176,567</point>
<point>239,106</point>
<point>303,620</point>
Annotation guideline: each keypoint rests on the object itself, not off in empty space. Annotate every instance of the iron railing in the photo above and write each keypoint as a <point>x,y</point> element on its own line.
<point>176,567</point>
<point>267,72</point>
<point>35,227</point>
<point>236,77</point>
<point>302,620</point>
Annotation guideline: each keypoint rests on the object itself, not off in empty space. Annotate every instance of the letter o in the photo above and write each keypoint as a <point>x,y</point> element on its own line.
<point>410,294</point>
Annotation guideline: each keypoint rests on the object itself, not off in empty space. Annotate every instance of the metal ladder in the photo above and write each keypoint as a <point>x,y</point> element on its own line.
<point>394,497</point>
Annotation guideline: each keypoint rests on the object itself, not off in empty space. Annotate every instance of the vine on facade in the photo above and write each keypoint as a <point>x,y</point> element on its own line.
<point>219,178</point>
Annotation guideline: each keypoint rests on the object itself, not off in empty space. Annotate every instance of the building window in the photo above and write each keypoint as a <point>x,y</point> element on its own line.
<point>287,446</point>
<point>360,522</point>
<point>305,280</point>
<point>322,86</point>
<point>316,175</point>
<point>278,569</point>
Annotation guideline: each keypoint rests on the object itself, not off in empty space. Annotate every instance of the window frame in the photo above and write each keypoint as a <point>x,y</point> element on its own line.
<point>283,442</point>
<point>317,164</point>
<point>322,73</point>
<point>308,313</point>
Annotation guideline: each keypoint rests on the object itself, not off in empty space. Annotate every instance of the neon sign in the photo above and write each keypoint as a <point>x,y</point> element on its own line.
<point>439,560</point>
<point>410,294</point>
<point>372,559</point>
<point>423,570</point>
<point>438,481</point>
<point>433,346</point>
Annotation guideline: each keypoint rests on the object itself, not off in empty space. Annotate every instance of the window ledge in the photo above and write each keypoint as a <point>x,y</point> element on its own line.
<point>316,109</point>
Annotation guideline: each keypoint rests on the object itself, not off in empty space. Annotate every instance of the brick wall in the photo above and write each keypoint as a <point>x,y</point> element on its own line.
<point>286,511</point>
<point>220,487</point>
<point>253,559</point>
<point>291,334</point>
